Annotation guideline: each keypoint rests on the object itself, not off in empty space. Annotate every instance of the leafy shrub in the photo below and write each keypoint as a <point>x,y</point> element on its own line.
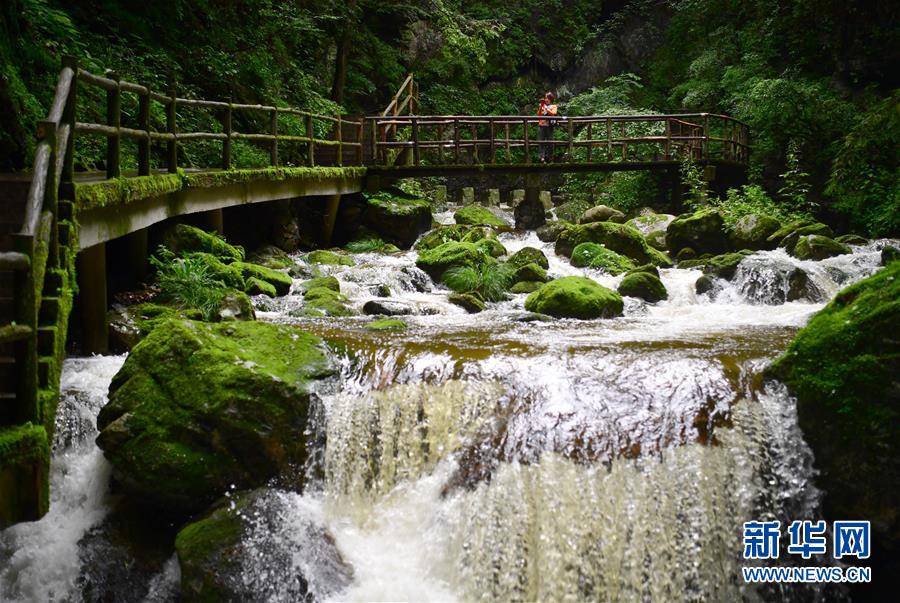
<point>187,282</point>
<point>752,199</point>
<point>489,280</point>
<point>365,245</point>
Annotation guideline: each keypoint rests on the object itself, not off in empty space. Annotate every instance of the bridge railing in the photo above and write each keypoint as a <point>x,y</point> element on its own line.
<point>344,135</point>
<point>516,139</point>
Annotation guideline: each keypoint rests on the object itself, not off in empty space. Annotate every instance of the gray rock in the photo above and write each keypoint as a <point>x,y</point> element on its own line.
<point>386,307</point>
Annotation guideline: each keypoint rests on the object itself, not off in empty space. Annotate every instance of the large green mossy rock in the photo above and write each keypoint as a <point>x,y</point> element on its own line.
<point>593,255</point>
<point>324,301</point>
<point>529,255</point>
<point>186,239</point>
<point>601,213</point>
<point>753,231</point>
<point>818,247</point>
<point>436,261</point>
<point>280,281</point>
<point>475,215</point>
<point>329,282</point>
<point>24,468</point>
<point>467,301</point>
<point>844,369</point>
<point>227,274</point>
<point>328,258</point>
<point>644,286</point>
<point>788,236</point>
<point>454,233</point>
<point>620,238</point>
<point>199,408</point>
<point>396,217</point>
<point>222,558</point>
<point>575,297</point>
<point>723,266</point>
<point>703,231</point>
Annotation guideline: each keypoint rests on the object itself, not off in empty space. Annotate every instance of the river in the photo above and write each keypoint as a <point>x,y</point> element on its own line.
<point>494,456</point>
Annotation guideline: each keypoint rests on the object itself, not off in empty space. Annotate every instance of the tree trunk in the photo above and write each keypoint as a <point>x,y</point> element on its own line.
<point>343,52</point>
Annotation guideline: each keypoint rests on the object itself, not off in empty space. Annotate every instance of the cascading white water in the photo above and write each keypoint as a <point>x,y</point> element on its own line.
<point>39,561</point>
<point>499,457</point>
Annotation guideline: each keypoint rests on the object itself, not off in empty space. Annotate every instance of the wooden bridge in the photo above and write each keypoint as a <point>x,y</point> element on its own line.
<point>61,217</point>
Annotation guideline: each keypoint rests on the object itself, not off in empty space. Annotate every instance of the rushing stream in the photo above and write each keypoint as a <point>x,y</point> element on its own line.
<point>498,457</point>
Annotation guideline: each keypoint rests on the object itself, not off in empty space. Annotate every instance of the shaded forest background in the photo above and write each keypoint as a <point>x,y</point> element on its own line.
<point>817,80</point>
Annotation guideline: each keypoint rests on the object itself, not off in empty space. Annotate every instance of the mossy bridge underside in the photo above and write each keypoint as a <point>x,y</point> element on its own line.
<point>54,228</point>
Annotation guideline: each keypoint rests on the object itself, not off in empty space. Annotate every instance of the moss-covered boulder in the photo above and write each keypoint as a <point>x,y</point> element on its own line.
<point>797,230</point>
<point>270,256</point>
<point>549,232</point>
<point>529,255</point>
<point>224,555</point>
<point>475,215</point>
<point>328,258</point>
<point>594,255</point>
<point>186,239</point>
<point>322,301</point>
<point>648,268</point>
<point>281,281</point>
<point>529,272</point>
<point>753,231</point>
<point>889,254</point>
<point>492,247</point>
<point>575,297</point>
<point>254,286</point>
<point>198,408</point>
<point>648,223</point>
<point>436,261</point>
<point>601,213</point>
<point>844,369</point>
<point>386,324</point>
<point>396,217</point>
<point>643,285</point>
<point>328,282</point>
<point>818,247</point>
<point>723,266</point>
<point>454,233</point>
<point>703,231</point>
<point>620,238</point>
<point>526,287</point>
<point>467,301</point>
<point>227,274</point>
<point>852,239</point>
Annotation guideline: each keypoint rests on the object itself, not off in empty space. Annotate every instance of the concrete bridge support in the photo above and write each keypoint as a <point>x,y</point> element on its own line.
<point>529,213</point>
<point>332,206</point>
<point>92,299</point>
<point>138,252</point>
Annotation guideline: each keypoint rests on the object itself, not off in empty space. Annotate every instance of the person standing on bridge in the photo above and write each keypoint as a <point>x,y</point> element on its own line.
<point>547,109</point>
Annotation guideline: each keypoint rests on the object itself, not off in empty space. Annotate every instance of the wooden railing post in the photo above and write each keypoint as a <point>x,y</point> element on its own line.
<point>114,120</point>
<point>47,132</point>
<point>571,149</point>
<point>590,140</point>
<point>273,129</point>
<point>226,144</point>
<point>705,149</point>
<point>339,136</point>
<point>456,141</point>
<point>668,139</point>
<point>527,144</point>
<point>310,145</point>
<point>68,170</point>
<point>415,140</point>
<point>144,143</point>
<point>172,144</point>
<point>492,134</point>
<point>608,139</point>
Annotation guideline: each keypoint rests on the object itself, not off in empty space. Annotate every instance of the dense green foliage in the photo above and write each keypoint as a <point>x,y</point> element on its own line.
<point>814,79</point>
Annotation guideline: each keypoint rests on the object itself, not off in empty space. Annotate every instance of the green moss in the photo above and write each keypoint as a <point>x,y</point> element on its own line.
<point>703,231</point>
<point>594,255</point>
<point>23,442</point>
<point>255,286</point>
<point>199,406</point>
<point>529,255</point>
<point>322,301</point>
<point>322,256</point>
<point>818,247</point>
<point>723,266</point>
<point>467,301</point>
<point>492,247</point>
<point>475,215</point>
<point>526,287</point>
<point>852,239</point>
<point>328,282</point>
<point>207,553</point>
<point>575,297</point>
<point>227,274</point>
<point>386,324</point>
<point>118,191</point>
<point>843,367</point>
<point>436,261</point>
<point>281,281</point>
<point>620,238</point>
<point>183,239</point>
<point>643,285</point>
<point>397,217</point>
<point>530,272</point>
<point>453,233</point>
<point>24,467</point>
<point>272,174</point>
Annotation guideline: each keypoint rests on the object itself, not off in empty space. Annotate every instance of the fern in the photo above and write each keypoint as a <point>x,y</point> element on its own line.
<point>489,281</point>
<point>187,283</point>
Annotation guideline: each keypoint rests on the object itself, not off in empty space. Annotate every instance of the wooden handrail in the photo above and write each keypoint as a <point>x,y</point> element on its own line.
<point>665,137</point>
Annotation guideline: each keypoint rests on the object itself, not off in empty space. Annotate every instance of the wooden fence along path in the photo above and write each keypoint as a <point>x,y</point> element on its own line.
<point>37,260</point>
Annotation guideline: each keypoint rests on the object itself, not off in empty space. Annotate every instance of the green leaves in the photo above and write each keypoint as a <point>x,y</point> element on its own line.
<point>489,280</point>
